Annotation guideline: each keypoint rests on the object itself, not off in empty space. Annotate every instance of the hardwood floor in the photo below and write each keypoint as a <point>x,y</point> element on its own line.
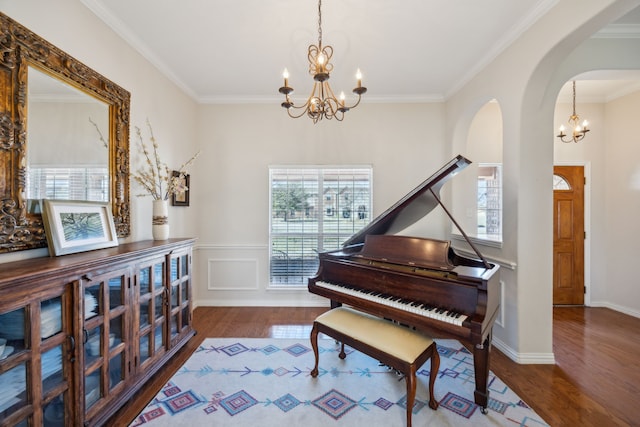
<point>596,378</point>
<point>595,381</point>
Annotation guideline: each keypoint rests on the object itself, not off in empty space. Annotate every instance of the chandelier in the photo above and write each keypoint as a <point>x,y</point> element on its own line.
<point>322,103</point>
<point>579,131</point>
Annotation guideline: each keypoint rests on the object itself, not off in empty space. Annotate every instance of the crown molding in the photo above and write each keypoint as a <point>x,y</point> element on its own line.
<point>618,31</point>
<point>269,99</point>
<point>121,30</point>
<point>502,44</point>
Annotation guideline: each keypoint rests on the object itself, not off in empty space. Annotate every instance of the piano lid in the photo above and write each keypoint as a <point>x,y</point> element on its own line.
<point>412,207</point>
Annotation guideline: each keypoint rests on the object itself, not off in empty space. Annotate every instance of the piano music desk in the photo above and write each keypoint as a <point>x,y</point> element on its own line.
<point>396,346</point>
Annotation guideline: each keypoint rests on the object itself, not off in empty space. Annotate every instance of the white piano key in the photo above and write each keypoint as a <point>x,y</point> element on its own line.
<point>395,302</point>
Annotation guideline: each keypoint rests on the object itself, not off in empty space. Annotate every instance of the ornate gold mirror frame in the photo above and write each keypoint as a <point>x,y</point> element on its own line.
<point>19,49</point>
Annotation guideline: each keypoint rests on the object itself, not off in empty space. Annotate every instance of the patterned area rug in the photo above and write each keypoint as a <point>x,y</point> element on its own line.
<point>267,382</point>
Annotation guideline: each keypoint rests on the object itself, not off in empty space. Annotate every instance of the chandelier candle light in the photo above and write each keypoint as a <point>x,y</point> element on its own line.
<point>322,103</point>
<point>579,131</point>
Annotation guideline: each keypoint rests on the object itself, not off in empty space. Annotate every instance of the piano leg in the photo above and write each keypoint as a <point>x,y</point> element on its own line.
<point>481,353</point>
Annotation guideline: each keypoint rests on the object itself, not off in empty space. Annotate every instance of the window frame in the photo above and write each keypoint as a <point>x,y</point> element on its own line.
<point>472,232</point>
<point>347,216</point>
<point>490,237</point>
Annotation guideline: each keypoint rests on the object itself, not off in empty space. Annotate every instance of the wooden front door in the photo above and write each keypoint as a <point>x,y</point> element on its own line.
<point>568,235</point>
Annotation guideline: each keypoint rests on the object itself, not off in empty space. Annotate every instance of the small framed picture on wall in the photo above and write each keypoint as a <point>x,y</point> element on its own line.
<point>181,198</point>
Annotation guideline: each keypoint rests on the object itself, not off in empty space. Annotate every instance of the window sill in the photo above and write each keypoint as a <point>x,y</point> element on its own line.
<point>494,242</point>
<point>293,287</point>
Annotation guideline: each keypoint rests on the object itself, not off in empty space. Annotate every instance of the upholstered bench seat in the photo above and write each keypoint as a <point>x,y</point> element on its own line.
<point>396,346</point>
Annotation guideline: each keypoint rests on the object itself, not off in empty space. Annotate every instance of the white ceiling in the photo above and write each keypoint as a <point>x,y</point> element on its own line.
<point>221,51</point>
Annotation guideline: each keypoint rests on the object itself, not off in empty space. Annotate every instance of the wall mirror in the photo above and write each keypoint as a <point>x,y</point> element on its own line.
<point>64,134</point>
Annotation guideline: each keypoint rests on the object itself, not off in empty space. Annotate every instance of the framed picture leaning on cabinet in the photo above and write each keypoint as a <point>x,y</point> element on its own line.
<point>78,226</point>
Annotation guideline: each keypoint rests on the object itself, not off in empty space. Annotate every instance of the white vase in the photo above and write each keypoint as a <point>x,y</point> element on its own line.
<point>160,227</point>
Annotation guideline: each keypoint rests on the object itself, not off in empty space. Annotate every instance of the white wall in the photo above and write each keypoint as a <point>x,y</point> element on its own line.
<point>525,79</point>
<point>73,28</point>
<point>403,143</point>
<point>622,206</point>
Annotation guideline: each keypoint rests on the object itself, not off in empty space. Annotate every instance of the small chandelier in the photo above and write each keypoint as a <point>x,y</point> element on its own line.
<point>322,103</point>
<point>579,131</point>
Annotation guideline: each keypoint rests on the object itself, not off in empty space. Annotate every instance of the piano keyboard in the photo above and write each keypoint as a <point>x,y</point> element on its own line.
<point>421,309</point>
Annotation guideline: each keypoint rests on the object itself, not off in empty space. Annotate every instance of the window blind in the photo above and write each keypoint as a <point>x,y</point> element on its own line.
<point>313,210</point>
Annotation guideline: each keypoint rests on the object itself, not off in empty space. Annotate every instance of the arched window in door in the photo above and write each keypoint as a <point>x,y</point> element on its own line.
<point>559,183</point>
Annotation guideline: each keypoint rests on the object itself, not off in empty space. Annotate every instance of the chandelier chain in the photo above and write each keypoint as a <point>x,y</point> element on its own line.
<point>320,23</point>
<point>574,97</point>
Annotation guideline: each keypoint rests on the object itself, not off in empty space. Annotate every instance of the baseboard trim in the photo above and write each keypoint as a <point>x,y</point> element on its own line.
<point>524,358</point>
<point>616,307</point>
<point>280,302</point>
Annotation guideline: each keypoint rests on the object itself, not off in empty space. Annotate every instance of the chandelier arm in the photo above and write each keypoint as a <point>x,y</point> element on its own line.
<point>322,90</point>
<point>295,116</point>
<point>304,107</point>
<point>331,107</point>
<point>336,105</point>
<point>356,103</point>
<point>315,93</point>
<point>337,114</point>
<point>339,106</point>
<point>329,91</point>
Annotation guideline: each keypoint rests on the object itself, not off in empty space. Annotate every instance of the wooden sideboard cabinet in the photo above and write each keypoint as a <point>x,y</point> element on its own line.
<point>84,332</point>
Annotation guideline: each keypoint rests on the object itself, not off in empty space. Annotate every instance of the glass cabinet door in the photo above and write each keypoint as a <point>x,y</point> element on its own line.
<point>179,294</point>
<point>40,328</point>
<point>105,336</point>
<point>152,300</point>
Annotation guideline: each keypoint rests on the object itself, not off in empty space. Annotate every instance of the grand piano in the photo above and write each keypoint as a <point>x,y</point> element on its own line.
<point>419,282</point>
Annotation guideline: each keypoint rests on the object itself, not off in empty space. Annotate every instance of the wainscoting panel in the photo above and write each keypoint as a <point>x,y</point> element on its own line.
<point>500,318</point>
<point>233,274</point>
<point>238,275</point>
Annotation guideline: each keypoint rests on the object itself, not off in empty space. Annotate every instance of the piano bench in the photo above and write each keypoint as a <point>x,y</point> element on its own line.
<point>399,347</point>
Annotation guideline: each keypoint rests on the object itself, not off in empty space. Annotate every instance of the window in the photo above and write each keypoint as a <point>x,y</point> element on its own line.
<point>313,210</point>
<point>73,183</point>
<point>490,201</point>
<point>559,183</point>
